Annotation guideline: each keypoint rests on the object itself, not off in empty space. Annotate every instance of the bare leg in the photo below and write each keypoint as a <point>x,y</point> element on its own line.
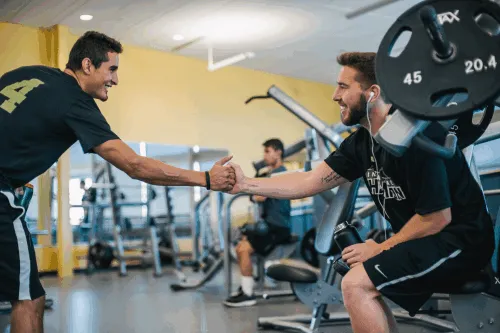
<point>244,251</point>
<point>367,310</point>
<point>27,316</point>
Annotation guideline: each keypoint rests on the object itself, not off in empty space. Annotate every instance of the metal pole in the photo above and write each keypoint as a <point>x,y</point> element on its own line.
<point>197,227</point>
<point>305,115</point>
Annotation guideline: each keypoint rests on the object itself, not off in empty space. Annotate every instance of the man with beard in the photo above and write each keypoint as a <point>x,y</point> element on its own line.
<point>435,207</point>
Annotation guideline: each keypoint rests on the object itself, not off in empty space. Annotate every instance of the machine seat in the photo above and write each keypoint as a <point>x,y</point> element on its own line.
<point>474,285</point>
<point>282,272</point>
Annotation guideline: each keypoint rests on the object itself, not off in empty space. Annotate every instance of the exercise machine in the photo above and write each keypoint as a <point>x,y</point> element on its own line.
<point>457,89</point>
<point>142,242</point>
<point>209,259</point>
<point>282,250</point>
<point>475,307</point>
<point>475,304</point>
<point>168,245</point>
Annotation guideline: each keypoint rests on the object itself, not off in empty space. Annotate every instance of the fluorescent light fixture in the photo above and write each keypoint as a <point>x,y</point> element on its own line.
<point>86,17</point>
<point>228,61</point>
<point>178,37</point>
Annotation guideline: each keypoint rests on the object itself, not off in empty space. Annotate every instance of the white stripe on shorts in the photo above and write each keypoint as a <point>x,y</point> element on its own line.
<point>427,271</point>
<point>24,255</point>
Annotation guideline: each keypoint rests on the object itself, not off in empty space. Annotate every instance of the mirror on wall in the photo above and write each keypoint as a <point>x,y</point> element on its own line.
<point>137,200</point>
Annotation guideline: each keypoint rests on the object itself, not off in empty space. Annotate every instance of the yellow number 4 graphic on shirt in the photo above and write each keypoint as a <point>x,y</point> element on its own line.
<point>16,93</point>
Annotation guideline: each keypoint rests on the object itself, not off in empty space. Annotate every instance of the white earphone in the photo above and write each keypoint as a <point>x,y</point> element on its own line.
<point>371,96</point>
<point>379,181</point>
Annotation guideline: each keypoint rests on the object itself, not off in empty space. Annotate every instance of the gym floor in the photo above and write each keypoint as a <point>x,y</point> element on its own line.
<point>107,303</point>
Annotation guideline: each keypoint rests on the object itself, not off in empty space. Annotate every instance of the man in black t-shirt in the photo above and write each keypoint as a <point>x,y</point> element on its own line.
<point>43,112</point>
<point>443,232</point>
<point>262,237</point>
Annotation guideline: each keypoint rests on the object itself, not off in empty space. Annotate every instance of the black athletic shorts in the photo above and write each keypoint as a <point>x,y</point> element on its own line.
<point>264,244</point>
<point>19,279</point>
<point>409,273</point>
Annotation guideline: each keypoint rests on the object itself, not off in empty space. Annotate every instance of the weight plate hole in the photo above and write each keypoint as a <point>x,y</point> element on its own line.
<point>400,41</point>
<point>449,97</point>
<point>477,116</point>
<point>487,23</point>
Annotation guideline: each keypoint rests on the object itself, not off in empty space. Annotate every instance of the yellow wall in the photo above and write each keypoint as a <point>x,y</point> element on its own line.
<point>167,98</point>
<point>171,99</point>
<point>19,46</point>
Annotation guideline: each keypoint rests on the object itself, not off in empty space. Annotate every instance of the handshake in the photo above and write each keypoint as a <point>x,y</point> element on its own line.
<point>226,177</point>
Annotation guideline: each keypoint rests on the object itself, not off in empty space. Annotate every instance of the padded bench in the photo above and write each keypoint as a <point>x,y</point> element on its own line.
<point>281,272</point>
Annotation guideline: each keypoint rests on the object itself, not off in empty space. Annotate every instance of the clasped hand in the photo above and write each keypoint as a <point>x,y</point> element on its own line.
<point>226,177</point>
<point>358,253</point>
<point>222,177</point>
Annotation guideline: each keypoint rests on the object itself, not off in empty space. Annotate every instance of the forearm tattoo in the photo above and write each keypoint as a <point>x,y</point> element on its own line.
<point>332,176</point>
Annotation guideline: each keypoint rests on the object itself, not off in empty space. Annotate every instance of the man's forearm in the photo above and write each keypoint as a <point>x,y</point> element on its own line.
<point>415,228</point>
<point>287,186</point>
<point>295,185</point>
<point>158,173</point>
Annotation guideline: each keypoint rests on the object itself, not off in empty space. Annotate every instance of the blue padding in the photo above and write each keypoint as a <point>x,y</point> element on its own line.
<point>340,210</point>
<point>496,255</point>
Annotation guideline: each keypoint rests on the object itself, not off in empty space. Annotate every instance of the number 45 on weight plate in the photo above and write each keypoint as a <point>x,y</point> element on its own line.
<point>415,77</point>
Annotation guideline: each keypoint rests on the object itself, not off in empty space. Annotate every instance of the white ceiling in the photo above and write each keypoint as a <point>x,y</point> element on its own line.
<point>297,38</point>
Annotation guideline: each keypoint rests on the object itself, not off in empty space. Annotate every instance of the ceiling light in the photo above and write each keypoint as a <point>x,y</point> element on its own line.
<point>241,24</point>
<point>178,37</point>
<point>229,61</point>
<point>86,17</point>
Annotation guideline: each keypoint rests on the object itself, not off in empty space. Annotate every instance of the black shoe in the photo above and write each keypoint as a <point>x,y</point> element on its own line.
<point>240,300</point>
<point>237,292</point>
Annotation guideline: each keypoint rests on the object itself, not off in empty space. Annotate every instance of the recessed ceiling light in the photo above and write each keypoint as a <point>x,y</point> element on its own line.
<point>86,17</point>
<point>178,37</point>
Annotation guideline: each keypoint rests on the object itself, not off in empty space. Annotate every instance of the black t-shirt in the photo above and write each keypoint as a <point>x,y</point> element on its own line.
<point>43,112</point>
<point>277,211</point>
<point>417,183</point>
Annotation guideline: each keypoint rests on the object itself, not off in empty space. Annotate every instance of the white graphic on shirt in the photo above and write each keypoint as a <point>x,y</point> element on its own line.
<point>380,184</point>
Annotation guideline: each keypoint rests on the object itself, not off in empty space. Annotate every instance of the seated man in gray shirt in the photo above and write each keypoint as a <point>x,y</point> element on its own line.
<point>263,236</point>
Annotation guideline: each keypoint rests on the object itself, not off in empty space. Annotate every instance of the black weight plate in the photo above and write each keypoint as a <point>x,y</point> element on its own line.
<point>474,68</point>
<point>467,132</point>
<point>101,255</point>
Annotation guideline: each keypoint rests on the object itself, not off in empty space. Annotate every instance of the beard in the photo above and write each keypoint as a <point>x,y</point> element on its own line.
<point>356,112</point>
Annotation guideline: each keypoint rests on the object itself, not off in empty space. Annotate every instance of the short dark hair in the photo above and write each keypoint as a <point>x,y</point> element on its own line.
<point>364,63</point>
<point>95,46</point>
<point>276,144</point>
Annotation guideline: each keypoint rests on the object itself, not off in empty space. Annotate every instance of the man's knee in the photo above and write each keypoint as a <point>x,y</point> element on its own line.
<point>357,283</point>
<point>35,306</point>
<point>243,248</point>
